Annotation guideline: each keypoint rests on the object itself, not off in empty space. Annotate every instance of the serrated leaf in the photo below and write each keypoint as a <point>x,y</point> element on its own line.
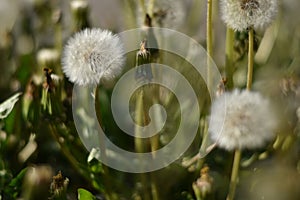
<point>7,106</point>
<point>85,195</point>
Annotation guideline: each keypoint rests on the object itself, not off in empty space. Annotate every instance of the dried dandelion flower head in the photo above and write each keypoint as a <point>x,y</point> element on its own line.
<point>248,121</point>
<point>91,55</point>
<point>242,14</point>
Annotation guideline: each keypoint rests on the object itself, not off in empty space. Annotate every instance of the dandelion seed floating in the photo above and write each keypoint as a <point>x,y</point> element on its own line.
<point>249,121</point>
<point>91,55</point>
<point>242,14</point>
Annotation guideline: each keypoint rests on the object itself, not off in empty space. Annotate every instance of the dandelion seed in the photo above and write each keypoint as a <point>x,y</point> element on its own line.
<point>247,123</point>
<point>242,14</point>
<point>91,55</point>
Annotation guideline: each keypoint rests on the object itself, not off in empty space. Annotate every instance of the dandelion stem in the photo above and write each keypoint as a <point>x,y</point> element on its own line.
<point>234,174</point>
<point>209,47</point>
<point>138,142</point>
<point>154,188</point>
<point>143,6</point>
<point>58,37</point>
<point>229,57</point>
<point>237,154</point>
<point>154,143</point>
<point>151,7</point>
<point>250,59</point>
<point>54,133</point>
<point>130,17</point>
<point>106,178</point>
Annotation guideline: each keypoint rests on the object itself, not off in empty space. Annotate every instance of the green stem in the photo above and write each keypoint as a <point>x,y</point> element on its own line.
<point>58,37</point>
<point>66,152</point>
<point>250,59</point>
<point>154,188</point>
<point>229,57</point>
<point>106,178</point>
<point>234,174</point>
<point>197,191</point>
<point>151,8</point>
<point>138,142</point>
<point>209,46</point>
<point>143,6</point>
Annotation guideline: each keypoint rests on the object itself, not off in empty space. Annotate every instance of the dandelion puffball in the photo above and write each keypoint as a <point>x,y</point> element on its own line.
<point>242,14</point>
<point>92,54</point>
<point>241,119</point>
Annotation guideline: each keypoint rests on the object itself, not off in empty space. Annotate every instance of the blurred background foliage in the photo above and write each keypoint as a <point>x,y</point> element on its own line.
<point>41,154</point>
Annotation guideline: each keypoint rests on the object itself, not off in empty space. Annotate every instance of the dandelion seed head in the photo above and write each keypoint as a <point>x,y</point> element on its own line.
<point>248,121</point>
<point>242,14</point>
<point>91,55</point>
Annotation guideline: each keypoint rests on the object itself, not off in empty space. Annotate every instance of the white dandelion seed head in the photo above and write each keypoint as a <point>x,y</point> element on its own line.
<point>242,14</point>
<point>91,55</point>
<point>248,121</point>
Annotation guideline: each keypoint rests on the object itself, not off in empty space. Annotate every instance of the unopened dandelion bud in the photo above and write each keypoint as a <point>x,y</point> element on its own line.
<point>203,186</point>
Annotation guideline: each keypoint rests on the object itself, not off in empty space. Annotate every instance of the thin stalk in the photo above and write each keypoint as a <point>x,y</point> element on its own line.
<point>58,37</point>
<point>154,188</point>
<point>234,174</point>
<point>151,8</point>
<point>250,59</point>
<point>209,46</point>
<point>130,18</point>
<point>106,178</point>
<point>66,152</point>
<point>139,115</point>
<point>154,141</point>
<point>143,6</point>
<point>99,118</point>
<point>237,154</point>
<point>229,57</point>
<point>138,142</point>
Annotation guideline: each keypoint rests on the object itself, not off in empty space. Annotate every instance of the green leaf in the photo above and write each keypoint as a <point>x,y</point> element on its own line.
<point>14,187</point>
<point>18,179</point>
<point>85,195</point>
